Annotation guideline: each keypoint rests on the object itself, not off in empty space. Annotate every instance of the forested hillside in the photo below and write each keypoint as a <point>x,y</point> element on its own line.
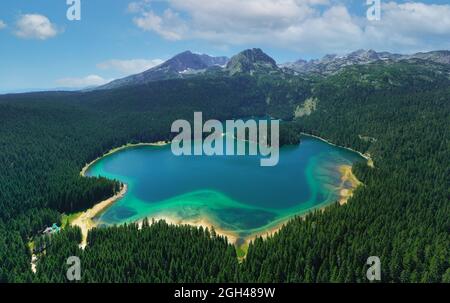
<point>401,215</point>
<point>158,253</point>
<point>399,113</point>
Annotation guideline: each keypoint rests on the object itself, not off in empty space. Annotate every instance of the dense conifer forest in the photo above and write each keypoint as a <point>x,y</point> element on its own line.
<point>398,113</point>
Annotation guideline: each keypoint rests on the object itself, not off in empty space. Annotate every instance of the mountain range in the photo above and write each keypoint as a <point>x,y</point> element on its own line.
<point>331,64</point>
<point>251,61</point>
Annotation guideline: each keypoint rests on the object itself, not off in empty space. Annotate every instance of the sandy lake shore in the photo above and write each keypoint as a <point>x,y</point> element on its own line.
<point>347,176</point>
<point>85,221</point>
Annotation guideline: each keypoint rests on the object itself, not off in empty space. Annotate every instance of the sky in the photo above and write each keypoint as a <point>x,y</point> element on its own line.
<point>40,48</point>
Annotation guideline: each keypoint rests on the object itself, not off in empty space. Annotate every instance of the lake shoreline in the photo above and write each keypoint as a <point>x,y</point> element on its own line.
<point>365,156</point>
<point>117,149</point>
<point>347,176</point>
<point>203,222</point>
<point>86,219</point>
<point>344,195</point>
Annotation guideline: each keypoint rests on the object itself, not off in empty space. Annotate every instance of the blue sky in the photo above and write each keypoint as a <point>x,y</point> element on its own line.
<point>40,48</point>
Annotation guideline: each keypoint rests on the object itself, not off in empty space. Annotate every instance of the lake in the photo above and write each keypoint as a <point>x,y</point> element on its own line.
<point>233,193</point>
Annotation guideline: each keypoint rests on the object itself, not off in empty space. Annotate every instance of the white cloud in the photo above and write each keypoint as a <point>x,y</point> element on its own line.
<point>2,24</point>
<point>169,25</point>
<point>133,66</point>
<point>137,6</point>
<point>411,26</point>
<point>91,80</point>
<point>316,26</point>
<point>34,26</point>
<point>134,7</point>
<point>418,18</point>
<point>229,14</point>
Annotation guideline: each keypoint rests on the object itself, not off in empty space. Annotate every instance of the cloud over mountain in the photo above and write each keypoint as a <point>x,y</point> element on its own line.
<point>306,26</point>
<point>132,66</point>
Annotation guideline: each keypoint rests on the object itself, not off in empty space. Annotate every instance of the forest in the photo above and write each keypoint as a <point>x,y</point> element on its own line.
<point>398,113</point>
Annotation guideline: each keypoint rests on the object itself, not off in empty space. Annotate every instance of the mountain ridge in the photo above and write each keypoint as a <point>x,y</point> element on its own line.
<point>177,66</point>
<point>331,64</point>
<point>251,61</point>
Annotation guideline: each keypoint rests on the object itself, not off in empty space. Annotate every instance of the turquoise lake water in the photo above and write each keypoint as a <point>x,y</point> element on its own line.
<point>235,193</point>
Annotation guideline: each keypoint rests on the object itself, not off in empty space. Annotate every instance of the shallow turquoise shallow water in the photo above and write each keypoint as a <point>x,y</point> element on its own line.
<point>233,192</point>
